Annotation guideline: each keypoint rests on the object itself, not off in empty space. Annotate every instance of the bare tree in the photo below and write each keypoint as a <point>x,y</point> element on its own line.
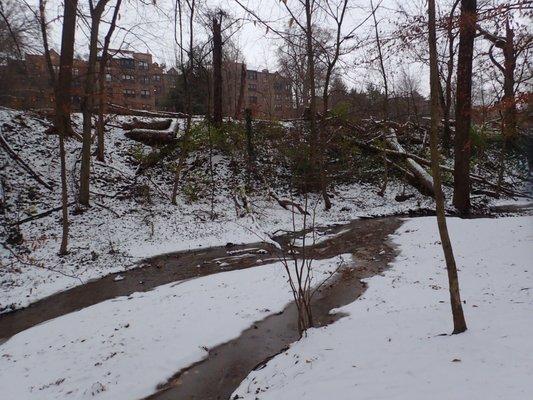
<point>87,105</point>
<point>217,70</point>
<point>242,86</point>
<point>459,324</point>
<point>62,85</point>
<point>447,93</point>
<point>104,57</point>
<point>463,110</point>
<point>186,72</point>
<point>381,63</point>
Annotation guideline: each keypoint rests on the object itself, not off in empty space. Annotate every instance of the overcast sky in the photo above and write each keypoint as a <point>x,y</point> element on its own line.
<point>152,30</point>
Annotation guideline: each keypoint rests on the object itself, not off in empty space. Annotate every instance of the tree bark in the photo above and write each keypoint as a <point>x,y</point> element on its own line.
<point>88,104</point>
<point>381,64</point>
<point>240,100</point>
<point>463,111</point>
<point>63,106</point>
<point>101,84</point>
<point>217,73</point>
<point>459,323</point>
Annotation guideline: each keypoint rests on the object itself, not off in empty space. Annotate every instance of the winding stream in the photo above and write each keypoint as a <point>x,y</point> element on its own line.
<point>226,365</point>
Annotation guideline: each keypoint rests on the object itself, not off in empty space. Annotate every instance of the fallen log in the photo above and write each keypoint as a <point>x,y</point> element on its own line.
<point>22,163</point>
<point>474,177</point>
<point>288,205</point>
<point>41,215</point>
<point>154,124</point>
<point>152,137</point>
<point>422,179</point>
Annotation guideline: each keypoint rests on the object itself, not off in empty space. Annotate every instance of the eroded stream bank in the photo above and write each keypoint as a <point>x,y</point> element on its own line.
<point>220,373</point>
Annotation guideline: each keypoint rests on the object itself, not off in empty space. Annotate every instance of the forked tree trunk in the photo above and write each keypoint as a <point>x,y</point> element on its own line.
<point>88,103</point>
<point>101,85</point>
<point>459,323</point>
<point>463,112</point>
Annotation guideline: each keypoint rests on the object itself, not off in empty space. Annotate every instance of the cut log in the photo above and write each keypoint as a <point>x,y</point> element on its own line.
<point>423,180</point>
<point>154,124</point>
<point>153,137</point>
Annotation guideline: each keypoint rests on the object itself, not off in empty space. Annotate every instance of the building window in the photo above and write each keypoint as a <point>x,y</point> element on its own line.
<point>252,75</point>
<point>129,92</point>
<point>143,64</point>
<point>157,78</point>
<point>277,107</point>
<point>144,79</point>
<point>145,93</point>
<point>252,87</point>
<point>253,99</point>
<point>108,77</point>
<point>128,77</point>
<point>127,63</point>
<point>75,71</point>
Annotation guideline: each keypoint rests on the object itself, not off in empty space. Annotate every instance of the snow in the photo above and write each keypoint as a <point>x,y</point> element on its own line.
<point>392,344</point>
<point>116,233</point>
<point>122,348</point>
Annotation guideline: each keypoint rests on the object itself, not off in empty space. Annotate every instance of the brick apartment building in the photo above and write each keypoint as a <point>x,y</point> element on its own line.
<point>132,80</point>
<point>267,94</point>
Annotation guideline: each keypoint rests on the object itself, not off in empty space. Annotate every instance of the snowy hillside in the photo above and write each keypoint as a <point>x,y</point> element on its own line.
<point>131,216</point>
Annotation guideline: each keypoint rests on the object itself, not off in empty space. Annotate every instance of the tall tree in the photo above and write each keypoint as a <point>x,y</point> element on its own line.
<point>87,105</point>
<point>463,109</point>
<point>61,87</point>
<point>104,57</point>
<point>459,323</point>
<point>217,70</point>
<point>447,93</point>
<point>381,63</point>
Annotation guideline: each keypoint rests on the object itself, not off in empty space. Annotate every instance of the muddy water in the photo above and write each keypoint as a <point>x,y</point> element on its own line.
<point>181,266</point>
<point>221,372</point>
<point>152,273</point>
<point>217,376</point>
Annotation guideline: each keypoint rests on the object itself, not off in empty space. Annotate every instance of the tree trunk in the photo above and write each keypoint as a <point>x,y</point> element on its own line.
<point>63,105</point>
<point>381,64</point>
<point>217,73</point>
<point>88,104</point>
<point>459,323</point>
<point>447,103</point>
<point>101,84</point>
<point>240,100</point>
<point>508,100</point>
<point>467,33</point>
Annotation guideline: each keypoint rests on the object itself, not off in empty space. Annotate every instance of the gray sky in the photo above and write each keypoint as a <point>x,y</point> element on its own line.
<point>152,30</point>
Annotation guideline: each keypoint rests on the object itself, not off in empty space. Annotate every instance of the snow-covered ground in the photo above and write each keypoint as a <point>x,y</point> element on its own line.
<point>122,227</point>
<point>121,349</point>
<point>391,346</point>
